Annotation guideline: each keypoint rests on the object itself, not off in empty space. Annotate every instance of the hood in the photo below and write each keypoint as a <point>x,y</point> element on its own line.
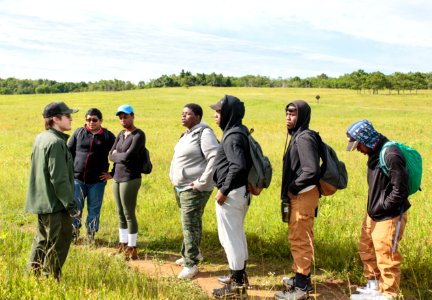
<point>232,112</point>
<point>304,115</point>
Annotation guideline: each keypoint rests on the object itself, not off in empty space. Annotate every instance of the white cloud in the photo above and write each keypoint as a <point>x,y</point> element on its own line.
<point>136,40</point>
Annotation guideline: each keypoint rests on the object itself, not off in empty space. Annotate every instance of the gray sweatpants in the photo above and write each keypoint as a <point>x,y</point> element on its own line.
<point>230,219</point>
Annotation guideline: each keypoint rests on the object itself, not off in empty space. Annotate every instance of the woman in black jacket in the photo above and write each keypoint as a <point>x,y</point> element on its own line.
<point>90,146</point>
<point>127,154</point>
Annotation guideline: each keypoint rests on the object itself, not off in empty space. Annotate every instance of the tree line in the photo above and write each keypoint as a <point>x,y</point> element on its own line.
<point>359,80</point>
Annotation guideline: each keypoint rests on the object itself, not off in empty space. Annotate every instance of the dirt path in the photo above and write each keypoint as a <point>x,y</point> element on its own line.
<point>262,287</point>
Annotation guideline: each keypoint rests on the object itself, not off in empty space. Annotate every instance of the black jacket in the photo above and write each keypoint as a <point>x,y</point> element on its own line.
<point>301,161</point>
<point>233,160</point>
<point>128,158</point>
<point>90,153</point>
<point>387,194</point>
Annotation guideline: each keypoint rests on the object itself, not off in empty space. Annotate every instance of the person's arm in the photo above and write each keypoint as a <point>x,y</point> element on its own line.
<point>398,179</point>
<point>234,146</point>
<point>72,143</point>
<point>138,142</point>
<point>309,172</point>
<point>209,146</point>
<point>59,176</point>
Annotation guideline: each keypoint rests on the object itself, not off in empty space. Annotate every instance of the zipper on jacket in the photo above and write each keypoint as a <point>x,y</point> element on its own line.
<point>88,155</point>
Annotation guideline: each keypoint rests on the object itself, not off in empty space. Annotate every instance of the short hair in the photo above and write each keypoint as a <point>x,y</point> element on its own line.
<point>94,112</point>
<point>49,122</point>
<point>197,110</point>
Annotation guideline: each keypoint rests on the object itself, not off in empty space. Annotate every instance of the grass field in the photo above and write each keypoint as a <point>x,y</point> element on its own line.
<point>90,275</point>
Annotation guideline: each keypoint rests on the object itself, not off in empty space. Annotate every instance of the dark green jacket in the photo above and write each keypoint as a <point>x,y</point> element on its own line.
<point>51,184</point>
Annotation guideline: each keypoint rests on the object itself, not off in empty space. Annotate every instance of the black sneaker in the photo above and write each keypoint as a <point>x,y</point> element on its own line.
<point>290,282</point>
<point>227,279</point>
<point>295,293</point>
<point>231,290</point>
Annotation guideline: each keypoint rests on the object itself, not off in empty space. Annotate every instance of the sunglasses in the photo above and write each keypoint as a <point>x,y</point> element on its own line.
<point>94,120</point>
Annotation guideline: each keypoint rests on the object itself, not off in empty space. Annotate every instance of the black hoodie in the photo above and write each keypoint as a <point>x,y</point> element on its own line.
<point>301,161</point>
<point>233,160</point>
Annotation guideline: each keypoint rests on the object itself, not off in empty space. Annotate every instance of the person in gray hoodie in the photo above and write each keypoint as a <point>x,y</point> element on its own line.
<point>191,173</point>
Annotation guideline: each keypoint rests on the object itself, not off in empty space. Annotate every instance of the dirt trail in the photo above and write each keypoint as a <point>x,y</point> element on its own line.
<point>262,287</point>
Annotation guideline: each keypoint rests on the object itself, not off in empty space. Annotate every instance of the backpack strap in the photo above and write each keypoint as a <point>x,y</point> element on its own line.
<point>199,132</point>
<point>382,154</point>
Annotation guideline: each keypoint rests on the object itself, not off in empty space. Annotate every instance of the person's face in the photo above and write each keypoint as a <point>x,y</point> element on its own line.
<point>126,120</point>
<point>63,122</point>
<point>217,116</point>
<point>363,149</point>
<point>93,122</point>
<point>291,117</point>
<point>189,118</point>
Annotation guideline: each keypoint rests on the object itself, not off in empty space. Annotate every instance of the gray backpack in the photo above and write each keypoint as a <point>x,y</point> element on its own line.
<point>333,175</point>
<point>260,174</point>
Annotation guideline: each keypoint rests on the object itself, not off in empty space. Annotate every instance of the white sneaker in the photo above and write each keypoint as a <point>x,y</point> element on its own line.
<point>370,288</point>
<point>188,272</point>
<point>180,261</point>
<point>371,296</point>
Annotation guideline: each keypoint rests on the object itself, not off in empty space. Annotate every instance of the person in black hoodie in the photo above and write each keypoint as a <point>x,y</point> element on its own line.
<point>90,146</point>
<point>300,177</point>
<point>386,211</point>
<point>232,165</point>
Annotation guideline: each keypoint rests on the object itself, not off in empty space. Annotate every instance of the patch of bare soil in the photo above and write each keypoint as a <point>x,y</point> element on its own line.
<point>262,286</point>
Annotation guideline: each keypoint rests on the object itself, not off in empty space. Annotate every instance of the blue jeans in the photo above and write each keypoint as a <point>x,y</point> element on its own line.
<point>94,194</point>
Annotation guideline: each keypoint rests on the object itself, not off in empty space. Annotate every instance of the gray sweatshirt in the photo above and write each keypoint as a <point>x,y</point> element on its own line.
<point>190,164</point>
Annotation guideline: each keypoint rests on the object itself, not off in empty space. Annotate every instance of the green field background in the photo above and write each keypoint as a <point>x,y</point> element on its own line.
<point>89,274</point>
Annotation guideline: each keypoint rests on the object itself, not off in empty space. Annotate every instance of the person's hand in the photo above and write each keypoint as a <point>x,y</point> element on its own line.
<point>220,198</point>
<point>194,187</point>
<point>291,196</point>
<point>105,176</point>
<point>76,214</point>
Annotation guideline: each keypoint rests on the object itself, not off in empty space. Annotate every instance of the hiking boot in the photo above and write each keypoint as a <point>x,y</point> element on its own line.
<point>75,234</point>
<point>188,272</point>
<point>121,247</point>
<point>370,288</point>
<point>227,279</point>
<point>131,253</point>
<point>290,282</point>
<point>232,290</point>
<point>295,293</point>
<point>181,261</point>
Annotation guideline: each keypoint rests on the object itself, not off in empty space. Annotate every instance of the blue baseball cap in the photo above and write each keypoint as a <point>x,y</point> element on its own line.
<point>125,108</point>
<point>362,132</point>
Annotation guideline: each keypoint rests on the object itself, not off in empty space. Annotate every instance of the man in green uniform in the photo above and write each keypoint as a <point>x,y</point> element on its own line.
<point>50,192</point>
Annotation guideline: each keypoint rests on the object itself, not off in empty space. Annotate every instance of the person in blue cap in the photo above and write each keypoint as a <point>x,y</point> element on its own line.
<point>127,153</point>
<point>387,201</point>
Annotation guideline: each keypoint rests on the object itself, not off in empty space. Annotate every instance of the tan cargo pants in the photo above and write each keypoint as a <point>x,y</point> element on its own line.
<point>300,230</point>
<point>375,249</point>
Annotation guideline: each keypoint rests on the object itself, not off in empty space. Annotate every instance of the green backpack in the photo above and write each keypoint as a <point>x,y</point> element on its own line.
<point>413,164</point>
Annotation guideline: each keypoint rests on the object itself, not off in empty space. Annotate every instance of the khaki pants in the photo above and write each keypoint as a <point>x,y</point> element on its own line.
<point>300,230</point>
<point>375,249</point>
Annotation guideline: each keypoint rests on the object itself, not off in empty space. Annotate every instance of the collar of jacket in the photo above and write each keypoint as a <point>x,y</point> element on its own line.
<point>60,134</point>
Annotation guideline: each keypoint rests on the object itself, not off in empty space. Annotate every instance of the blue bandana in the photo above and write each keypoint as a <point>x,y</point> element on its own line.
<point>363,132</point>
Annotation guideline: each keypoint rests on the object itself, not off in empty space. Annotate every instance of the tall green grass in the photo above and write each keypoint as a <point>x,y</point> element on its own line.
<point>88,274</point>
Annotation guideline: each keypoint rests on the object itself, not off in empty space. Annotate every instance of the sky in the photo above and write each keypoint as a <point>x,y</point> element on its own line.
<point>138,40</point>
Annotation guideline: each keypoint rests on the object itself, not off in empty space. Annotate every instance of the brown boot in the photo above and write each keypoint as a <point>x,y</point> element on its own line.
<point>121,247</point>
<point>131,253</point>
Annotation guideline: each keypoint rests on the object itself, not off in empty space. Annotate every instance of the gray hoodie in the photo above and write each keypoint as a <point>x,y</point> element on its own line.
<point>190,164</point>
